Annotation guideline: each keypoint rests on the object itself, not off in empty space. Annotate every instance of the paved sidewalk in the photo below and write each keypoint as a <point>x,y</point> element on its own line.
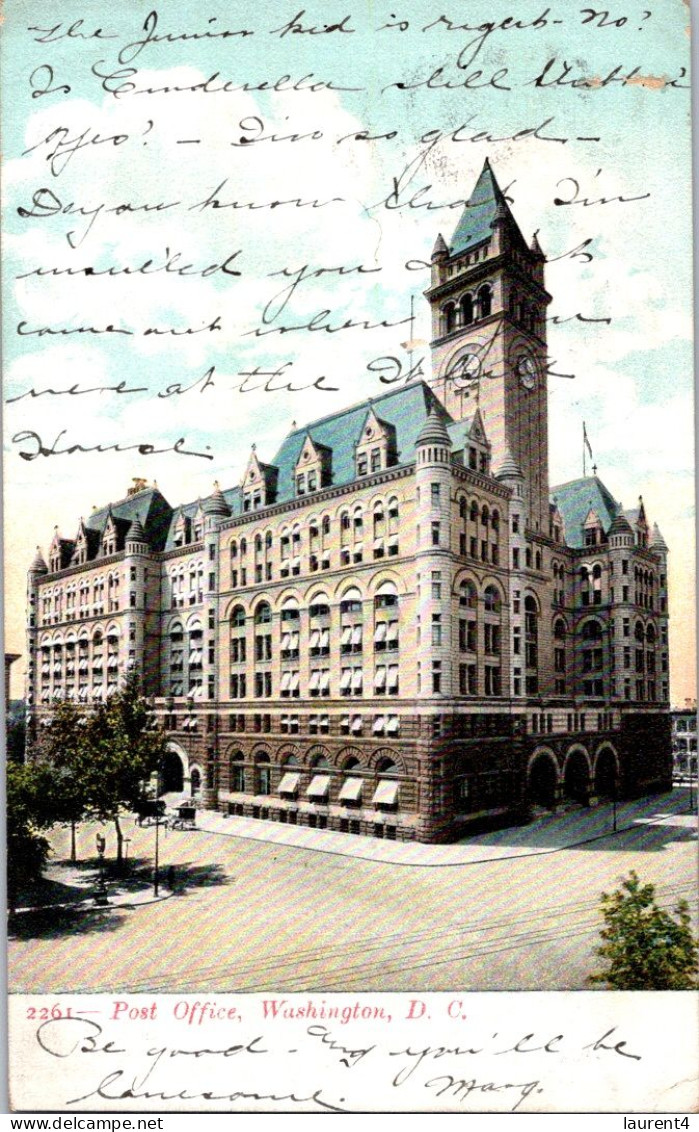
<point>547,834</point>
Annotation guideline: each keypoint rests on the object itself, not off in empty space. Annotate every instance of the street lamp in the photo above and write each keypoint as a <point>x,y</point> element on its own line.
<point>101,896</point>
<point>156,874</point>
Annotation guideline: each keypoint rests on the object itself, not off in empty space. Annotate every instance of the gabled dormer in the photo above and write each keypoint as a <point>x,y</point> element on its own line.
<point>557,529</point>
<point>110,536</point>
<point>198,522</point>
<point>313,469</point>
<point>60,552</point>
<point>259,484</point>
<point>476,445</point>
<point>182,529</point>
<point>375,449</point>
<point>79,556</point>
<point>593,531</point>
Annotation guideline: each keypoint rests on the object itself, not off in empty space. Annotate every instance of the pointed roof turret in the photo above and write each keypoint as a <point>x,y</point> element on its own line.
<point>509,468</point>
<point>657,541</point>
<point>535,246</point>
<point>38,564</point>
<point>620,526</point>
<point>434,430</point>
<point>440,249</point>
<point>216,503</point>
<point>485,206</point>
<point>136,531</point>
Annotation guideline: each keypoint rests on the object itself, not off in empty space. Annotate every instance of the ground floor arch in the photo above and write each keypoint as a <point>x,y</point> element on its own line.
<point>176,771</point>
<point>543,780</point>
<point>576,776</point>
<point>606,775</point>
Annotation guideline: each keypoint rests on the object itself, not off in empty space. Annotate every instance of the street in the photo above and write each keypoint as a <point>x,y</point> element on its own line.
<point>254,915</point>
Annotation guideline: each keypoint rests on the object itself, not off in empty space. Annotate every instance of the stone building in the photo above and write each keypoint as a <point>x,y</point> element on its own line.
<point>393,627</point>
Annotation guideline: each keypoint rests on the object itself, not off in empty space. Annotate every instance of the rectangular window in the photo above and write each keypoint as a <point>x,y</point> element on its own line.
<point>434,494</point>
<point>435,533</point>
<point>436,676</point>
<point>436,629</point>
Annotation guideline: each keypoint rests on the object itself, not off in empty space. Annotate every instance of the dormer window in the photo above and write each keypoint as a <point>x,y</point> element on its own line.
<point>362,464</point>
<point>301,484</point>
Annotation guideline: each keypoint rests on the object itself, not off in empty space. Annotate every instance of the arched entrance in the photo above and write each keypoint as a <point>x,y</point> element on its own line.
<point>172,775</point>
<point>605,773</point>
<point>576,777</point>
<point>543,781</point>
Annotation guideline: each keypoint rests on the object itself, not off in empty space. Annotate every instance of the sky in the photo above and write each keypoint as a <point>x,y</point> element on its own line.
<point>307,166</point>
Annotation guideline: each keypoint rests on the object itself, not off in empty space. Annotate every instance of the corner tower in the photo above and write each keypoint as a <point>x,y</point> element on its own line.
<point>488,305</point>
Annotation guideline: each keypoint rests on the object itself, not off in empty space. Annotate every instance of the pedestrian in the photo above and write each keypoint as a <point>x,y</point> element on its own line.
<point>171,878</point>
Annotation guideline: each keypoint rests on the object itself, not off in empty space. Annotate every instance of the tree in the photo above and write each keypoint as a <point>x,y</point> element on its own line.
<point>29,810</point>
<point>64,735</point>
<point>645,947</point>
<point>111,753</point>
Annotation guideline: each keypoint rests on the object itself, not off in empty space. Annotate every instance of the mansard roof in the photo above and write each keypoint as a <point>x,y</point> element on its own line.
<point>486,204</point>
<point>576,499</point>
<point>405,410</point>
<point>153,509</point>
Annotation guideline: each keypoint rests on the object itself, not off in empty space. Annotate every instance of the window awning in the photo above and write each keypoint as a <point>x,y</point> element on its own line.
<point>324,681</point>
<point>314,681</point>
<point>351,790</point>
<point>386,793</point>
<point>295,678</point>
<point>319,786</point>
<point>393,676</point>
<point>286,680</point>
<point>289,783</point>
<point>393,540</point>
<point>380,678</point>
<point>392,726</point>
<point>378,543</point>
<point>380,632</point>
<point>314,642</point>
<point>357,679</point>
<point>357,635</point>
<point>286,642</point>
<point>379,725</point>
<point>324,638</point>
<point>356,723</point>
<point>346,637</point>
<point>392,634</point>
<point>346,679</point>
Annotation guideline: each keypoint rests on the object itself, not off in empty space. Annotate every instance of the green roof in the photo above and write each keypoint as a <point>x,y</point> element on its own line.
<point>476,223</point>
<point>405,410</point>
<point>575,500</point>
<point>152,508</point>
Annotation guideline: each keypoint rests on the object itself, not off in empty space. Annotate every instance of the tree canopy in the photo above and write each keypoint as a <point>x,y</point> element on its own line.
<point>645,947</point>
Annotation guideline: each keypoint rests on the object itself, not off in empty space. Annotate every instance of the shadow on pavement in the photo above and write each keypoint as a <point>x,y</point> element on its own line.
<point>54,908</point>
<point>648,824</point>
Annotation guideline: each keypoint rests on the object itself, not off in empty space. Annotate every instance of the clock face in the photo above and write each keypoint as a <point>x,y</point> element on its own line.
<point>465,370</point>
<point>526,370</point>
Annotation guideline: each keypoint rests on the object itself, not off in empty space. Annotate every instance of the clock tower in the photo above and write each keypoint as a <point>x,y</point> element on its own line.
<point>488,305</point>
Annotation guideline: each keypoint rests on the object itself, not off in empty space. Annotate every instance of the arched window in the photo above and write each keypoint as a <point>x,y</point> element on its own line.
<point>263,774</point>
<point>467,595</point>
<point>474,512</point>
<point>531,645</point>
<point>491,599</point>
<point>263,614</point>
<point>449,316</point>
<point>236,772</point>
<point>238,617</point>
<point>485,301</point>
<point>467,310</point>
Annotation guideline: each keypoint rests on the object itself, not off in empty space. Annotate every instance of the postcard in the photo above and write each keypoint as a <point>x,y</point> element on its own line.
<point>349,556</point>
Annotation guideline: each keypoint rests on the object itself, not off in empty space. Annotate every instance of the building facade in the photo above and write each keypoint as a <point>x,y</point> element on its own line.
<point>684,740</point>
<point>393,628</point>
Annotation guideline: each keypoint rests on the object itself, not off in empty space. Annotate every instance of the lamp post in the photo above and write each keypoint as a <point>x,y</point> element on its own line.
<point>101,896</point>
<point>156,871</point>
